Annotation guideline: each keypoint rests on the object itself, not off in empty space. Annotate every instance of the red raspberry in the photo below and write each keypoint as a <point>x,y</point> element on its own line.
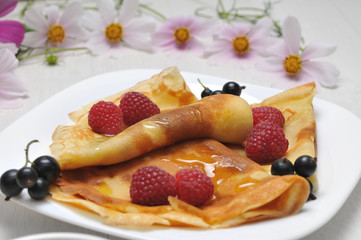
<point>151,186</point>
<point>105,118</point>
<point>136,106</point>
<point>266,143</point>
<point>269,114</point>
<point>194,187</point>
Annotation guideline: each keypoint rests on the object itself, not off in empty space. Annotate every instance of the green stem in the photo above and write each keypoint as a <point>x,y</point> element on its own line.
<point>153,11</point>
<point>50,50</point>
<point>27,151</point>
<point>201,83</point>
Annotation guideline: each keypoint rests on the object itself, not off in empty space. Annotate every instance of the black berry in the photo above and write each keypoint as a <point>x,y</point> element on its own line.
<point>206,92</point>
<point>305,166</point>
<point>40,190</point>
<point>232,88</point>
<point>26,177</point>
<point>281,167</point>
<point>217,92</point>
<point>47,167</point>
<point>9,186</point>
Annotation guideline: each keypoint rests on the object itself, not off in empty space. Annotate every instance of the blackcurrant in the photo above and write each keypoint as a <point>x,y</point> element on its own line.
<point>311,196</point>
<point>305,165</point>
<point>9,186</point>
<point>26,177</point>
<point>217,92</point>
<point>281,167</point>
<point>232,88</point>
<point>47,167</point>
<point>40,190</point>
<point>206,92</point>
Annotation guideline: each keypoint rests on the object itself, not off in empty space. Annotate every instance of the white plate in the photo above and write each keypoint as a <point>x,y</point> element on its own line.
<point>60,236</point>
<point>339,168</point>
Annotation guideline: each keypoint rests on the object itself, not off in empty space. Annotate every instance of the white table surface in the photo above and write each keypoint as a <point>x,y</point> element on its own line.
<point>334,21</point>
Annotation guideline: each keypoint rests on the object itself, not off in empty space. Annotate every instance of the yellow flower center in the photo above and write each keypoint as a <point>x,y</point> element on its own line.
<point>241,45</point>
<point>292,64</point>
<point>56,34</point>
<point>114,32</point>
<point>182,35</point>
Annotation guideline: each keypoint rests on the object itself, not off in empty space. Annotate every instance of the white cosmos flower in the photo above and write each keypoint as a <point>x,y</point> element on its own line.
<point>111,30</point>
<point>53,29</point>
<point>287,61</point>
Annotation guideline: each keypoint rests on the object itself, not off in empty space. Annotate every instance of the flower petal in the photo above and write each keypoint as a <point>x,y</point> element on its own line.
<point>12,91</point>
<point>127,11</point>
<point>141,25</point>
<point>107,10</point>
<point>35,20</point>
<point>326,73</point>
<point>52,14</point>
<point>138,41</point>
<point>71,14</point>
<point>11,46</point>
<point>291,31</point>
<point>317,49</point>
<point>35,39</point>
<point>8,61</point>
<point>260,30</point>
<point>11,32</point>
<point>98,44</point>
<point>7,6</point>
<point>92,20</point>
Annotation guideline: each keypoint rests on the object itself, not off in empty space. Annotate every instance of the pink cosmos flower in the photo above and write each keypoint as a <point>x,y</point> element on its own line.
<point>240,43</point>
<point>287,61</point>
<point>52,29</point>
<point>10,31</point>
<point>180,34</point>
<point>111,30</point>
<point>12,90</point>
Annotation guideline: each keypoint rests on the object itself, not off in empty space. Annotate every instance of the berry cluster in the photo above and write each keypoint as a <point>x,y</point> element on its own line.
<point>152,186</point>
<point>37,178</point>
<point>109,119</point>
<point>266,141</point>
<point>228,88</point>
<point>304,166</point>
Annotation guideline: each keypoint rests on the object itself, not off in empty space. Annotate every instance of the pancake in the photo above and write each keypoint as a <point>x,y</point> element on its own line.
<point>167,89</point>
<point>224,117</point>
<point>244,191</point>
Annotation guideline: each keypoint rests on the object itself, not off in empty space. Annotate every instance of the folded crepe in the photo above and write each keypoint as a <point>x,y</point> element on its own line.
<point>300,125</point>
<point>244,191</point>
<point>224,117</point>
<point>167,89</point>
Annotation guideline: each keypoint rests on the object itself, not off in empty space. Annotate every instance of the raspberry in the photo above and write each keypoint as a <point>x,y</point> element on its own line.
<point>269,114</point>
<point>266,143</point>
<point>136,106</point>
<point>194,187</point>
<point>151,186</point>
<point>105,118</point>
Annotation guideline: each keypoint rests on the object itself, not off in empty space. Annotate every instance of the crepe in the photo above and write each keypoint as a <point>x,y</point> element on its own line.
<point>167,89</point>
<point>244,191</point>
<point>224,117</point>
<point>300,125</point>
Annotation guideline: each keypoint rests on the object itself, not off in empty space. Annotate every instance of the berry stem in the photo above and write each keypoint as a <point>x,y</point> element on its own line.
<point>27,151</point>
<point>201,83</point>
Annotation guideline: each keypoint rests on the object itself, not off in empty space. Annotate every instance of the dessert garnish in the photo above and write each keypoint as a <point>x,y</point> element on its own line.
<point>269,114</point>
<point>136,106</point>
<point>194,187</point>
<point>266,143</point>
<point>304,166</point>
<point>151,186</point>
<point>228,88</point>
<point>105,118</point>
<point>37,177</point>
